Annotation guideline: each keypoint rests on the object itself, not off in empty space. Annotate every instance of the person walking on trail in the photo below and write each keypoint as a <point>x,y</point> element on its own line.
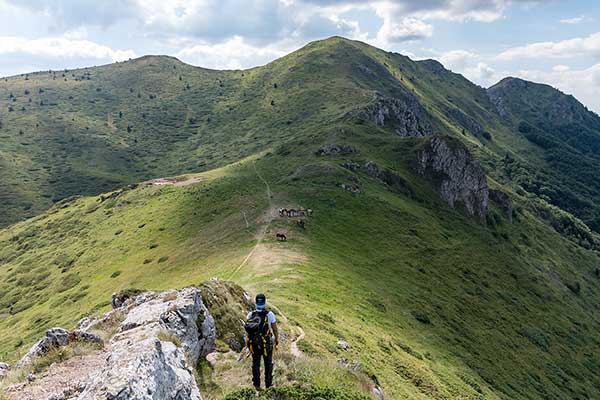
<point>261,339</point>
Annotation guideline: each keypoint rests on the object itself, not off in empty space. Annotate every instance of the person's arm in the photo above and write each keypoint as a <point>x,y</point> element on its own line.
<point>275,333</point>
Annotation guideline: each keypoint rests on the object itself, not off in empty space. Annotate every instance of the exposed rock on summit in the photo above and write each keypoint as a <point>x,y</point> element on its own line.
<point>403,112</point>
<point>460,179</point>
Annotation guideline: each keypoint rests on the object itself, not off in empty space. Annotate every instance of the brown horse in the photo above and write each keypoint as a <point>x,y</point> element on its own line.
<point>300,223</point>
<point>281,237</point>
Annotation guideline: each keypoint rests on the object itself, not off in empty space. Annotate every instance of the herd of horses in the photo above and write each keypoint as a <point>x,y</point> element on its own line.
<point>292,212</point>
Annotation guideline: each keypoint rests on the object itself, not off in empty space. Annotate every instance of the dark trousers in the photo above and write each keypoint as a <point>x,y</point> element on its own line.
<point>268,361</point>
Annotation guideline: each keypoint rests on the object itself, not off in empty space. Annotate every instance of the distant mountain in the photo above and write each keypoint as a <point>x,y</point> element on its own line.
<point>445,244</point>
<point>567,135</point>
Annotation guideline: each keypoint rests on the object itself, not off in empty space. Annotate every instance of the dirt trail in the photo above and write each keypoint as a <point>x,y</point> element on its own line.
<point>271,215</point>
<point>61,380</point>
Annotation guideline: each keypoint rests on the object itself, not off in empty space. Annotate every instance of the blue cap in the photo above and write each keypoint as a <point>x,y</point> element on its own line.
<point>261,301</point>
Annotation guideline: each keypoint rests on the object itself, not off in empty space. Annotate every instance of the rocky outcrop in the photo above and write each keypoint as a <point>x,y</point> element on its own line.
<point>53,339</point>
<point>335,149</point>
<point>403,113</point>
<point>157,345</point>
<point>459,178</point>
<point>158,341</point>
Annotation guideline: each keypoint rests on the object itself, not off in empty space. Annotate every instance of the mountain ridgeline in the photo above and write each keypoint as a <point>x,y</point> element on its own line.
<point>452,247</point>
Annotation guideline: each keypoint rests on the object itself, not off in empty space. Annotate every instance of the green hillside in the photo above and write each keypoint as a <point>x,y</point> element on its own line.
<point>435,303</point>
<point>568,136</point>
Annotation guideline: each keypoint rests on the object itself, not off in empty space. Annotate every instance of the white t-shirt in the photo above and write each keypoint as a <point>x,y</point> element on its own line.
<point>270,318</point>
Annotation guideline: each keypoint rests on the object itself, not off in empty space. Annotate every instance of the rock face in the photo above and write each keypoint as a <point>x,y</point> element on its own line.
<point>459,177</point>
<point>403,112</point>
<point>154,352</point>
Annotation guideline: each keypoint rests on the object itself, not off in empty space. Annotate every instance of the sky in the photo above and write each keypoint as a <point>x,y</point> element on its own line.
<point>549,41</point>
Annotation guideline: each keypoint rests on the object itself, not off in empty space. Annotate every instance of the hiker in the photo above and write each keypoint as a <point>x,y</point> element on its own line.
<point>261,338</point>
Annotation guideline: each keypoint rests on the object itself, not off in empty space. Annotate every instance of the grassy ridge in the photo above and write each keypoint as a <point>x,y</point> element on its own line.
<point>426,297</point>
<point>433,303</point>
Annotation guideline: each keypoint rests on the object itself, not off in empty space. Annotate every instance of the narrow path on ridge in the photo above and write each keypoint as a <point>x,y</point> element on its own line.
<point>271,215</point>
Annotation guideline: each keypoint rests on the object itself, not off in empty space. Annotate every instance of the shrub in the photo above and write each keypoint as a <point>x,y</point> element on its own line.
<point>163,259</point>
<point>421,317</point>
<point>115,274</point>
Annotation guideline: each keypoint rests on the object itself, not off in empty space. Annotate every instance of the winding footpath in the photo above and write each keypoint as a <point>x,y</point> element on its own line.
<point>271,215</point>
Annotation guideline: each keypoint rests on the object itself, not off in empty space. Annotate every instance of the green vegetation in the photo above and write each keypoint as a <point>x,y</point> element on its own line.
<point>433,303</point>
<point>567,136</point>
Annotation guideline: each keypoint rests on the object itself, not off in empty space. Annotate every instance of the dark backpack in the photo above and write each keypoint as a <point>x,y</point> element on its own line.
<point>257,326</point>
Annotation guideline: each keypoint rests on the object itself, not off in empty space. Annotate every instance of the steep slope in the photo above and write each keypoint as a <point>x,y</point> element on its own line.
<point>433,301</point>
<point>568,137</point>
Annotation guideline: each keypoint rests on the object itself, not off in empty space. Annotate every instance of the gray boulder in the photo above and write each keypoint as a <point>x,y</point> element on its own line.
<point>53,338</point>
<point>459,176</point>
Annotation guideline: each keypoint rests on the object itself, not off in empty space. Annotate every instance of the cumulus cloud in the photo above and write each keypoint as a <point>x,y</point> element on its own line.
<point>403,30</point>
<point>234,53</point>
<point>589,45</point>
<point>469,64</point>
<point>61,47</point>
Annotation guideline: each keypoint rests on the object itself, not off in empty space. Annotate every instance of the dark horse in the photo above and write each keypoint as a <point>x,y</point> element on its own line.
<point>281,237</point>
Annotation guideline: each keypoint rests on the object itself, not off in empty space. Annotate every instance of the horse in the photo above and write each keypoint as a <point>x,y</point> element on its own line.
<point>300,223</point>
<point>281,237</point>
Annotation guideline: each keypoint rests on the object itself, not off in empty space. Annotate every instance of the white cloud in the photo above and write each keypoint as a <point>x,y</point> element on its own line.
<point>234,53</point>
<point>469,64</point>
<point>403,30</point>
<point>585,46</point>
<point>61,47</point>
<point>561,68</point>
<point>575,20</point>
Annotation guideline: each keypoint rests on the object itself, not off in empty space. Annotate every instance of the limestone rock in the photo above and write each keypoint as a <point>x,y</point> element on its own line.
<point>160,339</point>
<point>459,176</point>
<point>343,344</point>
<point>142,367</point>
<point>53,338</point>
<point>403,113</point>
